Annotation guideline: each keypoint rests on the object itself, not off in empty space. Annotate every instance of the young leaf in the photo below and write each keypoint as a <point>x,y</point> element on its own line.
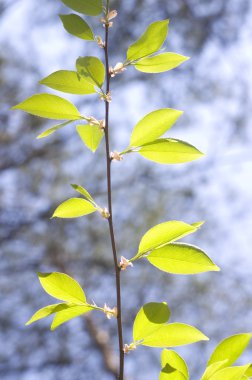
<point>49,106</point>
<point>74,208</point>
<point>212,368</point>
<point>62,287</point>
<point>50,131</point>
<point>150,42</point>
<point>91,135</point>
<point>76,26</point>
<point>173,366</point>
<point>83,191</point>
<point>163,234</point>
<point>87,7</point>
<point>91,69</point>
<point>69,313</point>
<point>180,258</point>
<point>160,63</point>
<point>173,335</point>
<point>153,125</point>
<point>230,349</point>
<point>170,151</point>
<point>231,373</point>
<point>249,371</point>
<point>149,319</point>
<point>69,82</point>
<point>45,312</point>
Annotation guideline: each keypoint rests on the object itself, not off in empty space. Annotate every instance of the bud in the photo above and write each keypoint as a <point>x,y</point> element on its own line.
<point>106,97</point>
<point>100,42</point>
<point>125,263</point>
<point>104,213</point>
<point>129,347</point>
<point>110,312</point>
<point>116,156</point>
<point>93,121</point>
<point>112,14</point>
<point>102,124</point>
<point>119,68</point>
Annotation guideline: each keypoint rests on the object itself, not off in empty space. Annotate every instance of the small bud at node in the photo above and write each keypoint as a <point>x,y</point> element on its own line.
<point>100,42</point>
<point>119,68</point>
<point>129,347</point>
<point>104,213</point>
<point>110,312</point>
<point>125,263</point>
<point>106,97</point>
<point>112,14</point>
<point>116,156</point>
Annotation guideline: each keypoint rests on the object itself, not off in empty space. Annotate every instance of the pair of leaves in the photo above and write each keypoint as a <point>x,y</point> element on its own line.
<point>151,329</point>
<point>64,288</point>
<point>145,139</point>
<point>151,41</point>
<point>158,246</point>
<point>76,207</point>
<point>226,354</point>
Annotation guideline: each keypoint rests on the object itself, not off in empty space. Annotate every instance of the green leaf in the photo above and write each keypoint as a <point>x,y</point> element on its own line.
<point>91,135</point>
<point>87,7</point>
<point>150,42</point>
<point>50,131</point>
<point>172,335</point>
<point>170,151</point>
<point>230,373</point>
<point>76,26</point>
<point>150,317</point>
<point>230,349</point>
<point>91,69</point>
<point>49,106</point>
<point>249,371</point>
<point>160,63</point>
<point>153,125</point>
<point>69,313</point>
<point>180,258</point>
<point>74,208</point>
<point>173,366</point>
<point>83,192</point>
<point>46,311</point>
<point>163,234</point>
<point>69,82</point>
<point>212,368</point>
<point>62,287</point>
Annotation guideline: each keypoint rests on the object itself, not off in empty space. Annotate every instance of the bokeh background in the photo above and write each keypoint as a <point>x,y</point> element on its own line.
<point>214,89</point>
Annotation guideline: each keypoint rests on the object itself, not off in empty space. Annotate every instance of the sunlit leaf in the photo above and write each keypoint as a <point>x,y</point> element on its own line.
<point>76,26</point>
<point>49,106</point>
<point>62,287</point>
<point>150,317</point>
<point>69,313</point>
<point>230,349</point>
<point>180,258</point>
<point>69,82</point>
<point>74,208</point>
<point>87,7</point>
<point>173,366</point>
<point>46,311</point>
<point>160,63</point>
<point>163,234</point>
<point>170,151</point>
<point>249,371</point>
<point>82,191</point>
<point>153,125</point>
<point>91,69</point>
<point>150,41</point>
<point>212,368</point>
<point>230,373</point>
<point>91,135</point>
<point>50,131</point>
<point>173,335</point>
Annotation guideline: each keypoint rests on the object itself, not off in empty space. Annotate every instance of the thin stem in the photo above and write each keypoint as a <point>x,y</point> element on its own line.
<point>110,219</point>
